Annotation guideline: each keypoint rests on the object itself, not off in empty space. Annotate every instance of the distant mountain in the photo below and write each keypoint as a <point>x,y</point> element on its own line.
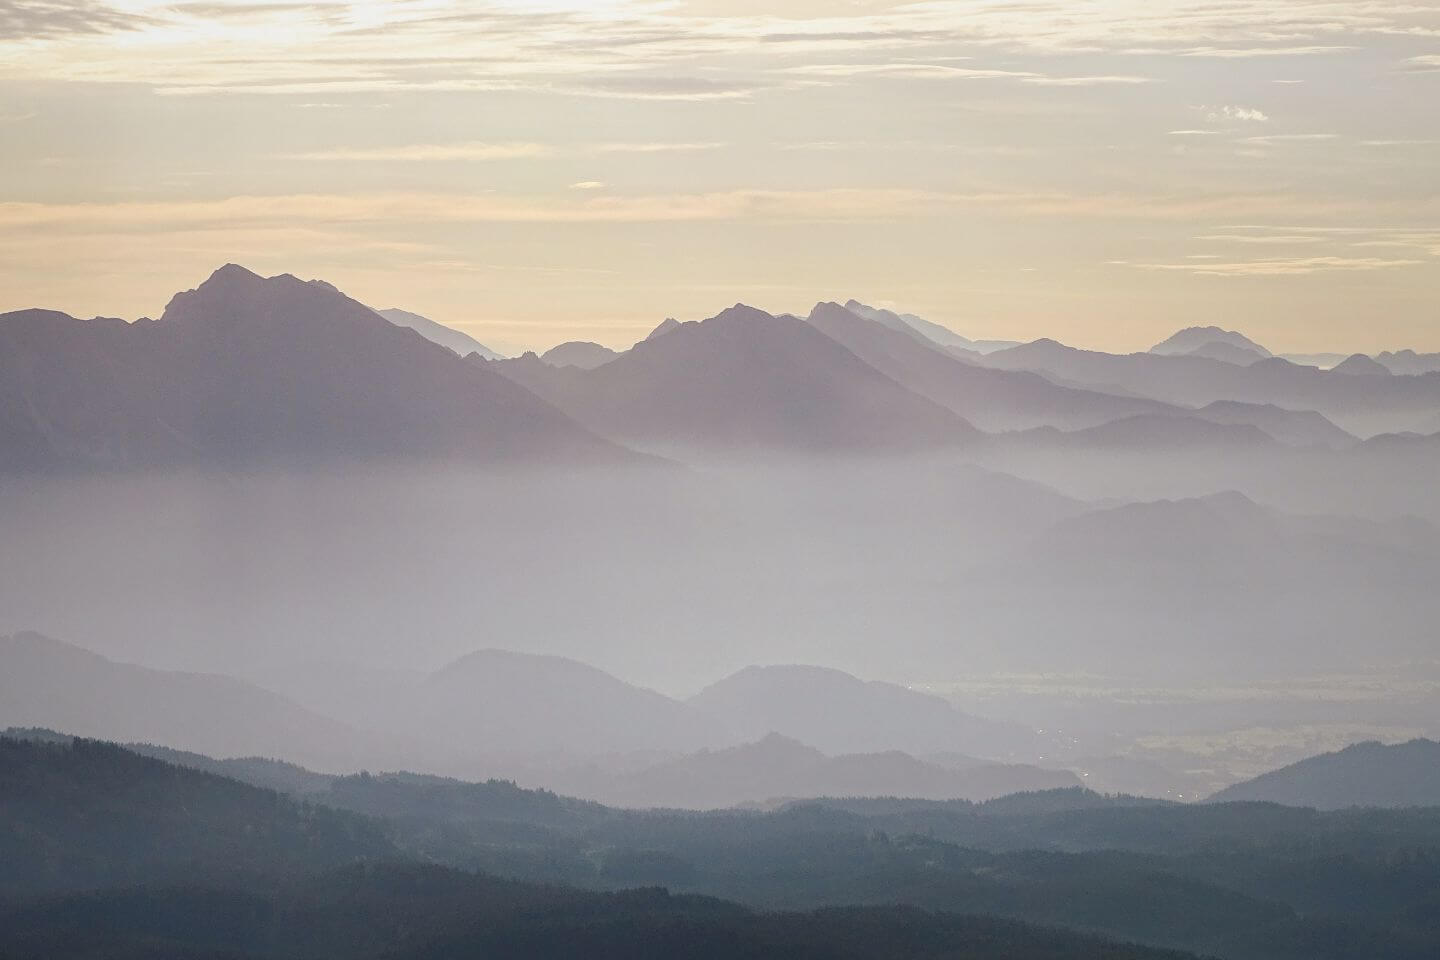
<point>745,382</point>
<point>1359,365</point>
<point>1363,775</point>
<point>838,713</point>
<point>932,332</point>
<point>260,372</point>
<point>1155,432</point>
<point>1299,428</point>
<point>46,683</point>
<point>1192,339</point>
<point>1226,352</point>
<point>929,330</point>
<point>1408,362</point>
<point>992,400</point>
<point>502,705</point>
<point>461,343</point>
<point>1360,405</point>
<point>585,355</point>
<point>666,325</point>
<point>779,767</point>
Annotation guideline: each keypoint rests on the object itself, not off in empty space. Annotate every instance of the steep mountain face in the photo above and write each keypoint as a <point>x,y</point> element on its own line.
<point>498,704</point>
<point>254,371</point>
<point>461,343</point>
<point>748,382</point>
<point>1192,339</point>
<point>778,767</point>
<point>992,400</point>
<point>1363,775</point>
<point>46,683</point>
<point>1363,406</point>
<point>838,713</point>
<point>666,325</point>
<point>582,354</point>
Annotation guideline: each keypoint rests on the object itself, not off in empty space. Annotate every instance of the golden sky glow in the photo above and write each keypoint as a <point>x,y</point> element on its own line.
<point>539,170</point>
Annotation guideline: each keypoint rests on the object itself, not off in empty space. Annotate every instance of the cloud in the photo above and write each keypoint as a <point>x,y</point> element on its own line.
<point>1261,238</point>
<point>916,71</point>
<point>1230,112</point>
<point>1102,81</point>
<point>840,204</point>
<point>51,19</point>
<point>1285,267</point>
<point>588,185</point>
<point>422,152</point>
<point>1290,138</point>
<point>657,147</point>
<point>1231,53</point>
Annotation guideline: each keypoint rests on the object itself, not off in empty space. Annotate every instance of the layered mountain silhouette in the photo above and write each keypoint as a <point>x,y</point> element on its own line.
<point>1363,775</point>
<point>461,343</point>
<point>248,370</point>
<point>840,714</point>
<point>1226,353</point>
<point>1192,340</point>
<point>931,331</point>
<point>745,381</point>
<point>503,705</point>
<point>778,767</point>
<point>1408,362</point>
<point>990,399</point>
<point>1152,432</point>
<point>1298,428</point>
<point>579,353</point>
<point>1360,405</point>
<point>1359,365</point>
<point>47,683</point>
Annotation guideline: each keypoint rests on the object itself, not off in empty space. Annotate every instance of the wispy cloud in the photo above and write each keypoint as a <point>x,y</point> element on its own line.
<point>1231,112</point>
<point>1282,267</point>
<point>657,147</point>
<point>1245,53</point>
<point>422,152</point>
<point>53,19</point>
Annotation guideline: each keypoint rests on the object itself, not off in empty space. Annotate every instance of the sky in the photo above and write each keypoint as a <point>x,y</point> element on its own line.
<point>535,171</point>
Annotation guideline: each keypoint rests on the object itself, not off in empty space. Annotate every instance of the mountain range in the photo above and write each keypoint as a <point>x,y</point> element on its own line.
<point>249,371</point>
<point>548,721</point>
<point>1360,405</point>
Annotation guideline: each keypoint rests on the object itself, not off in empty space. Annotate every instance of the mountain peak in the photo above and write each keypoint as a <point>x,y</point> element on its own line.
<point>1193,338</point>
<point>1360,365</point>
